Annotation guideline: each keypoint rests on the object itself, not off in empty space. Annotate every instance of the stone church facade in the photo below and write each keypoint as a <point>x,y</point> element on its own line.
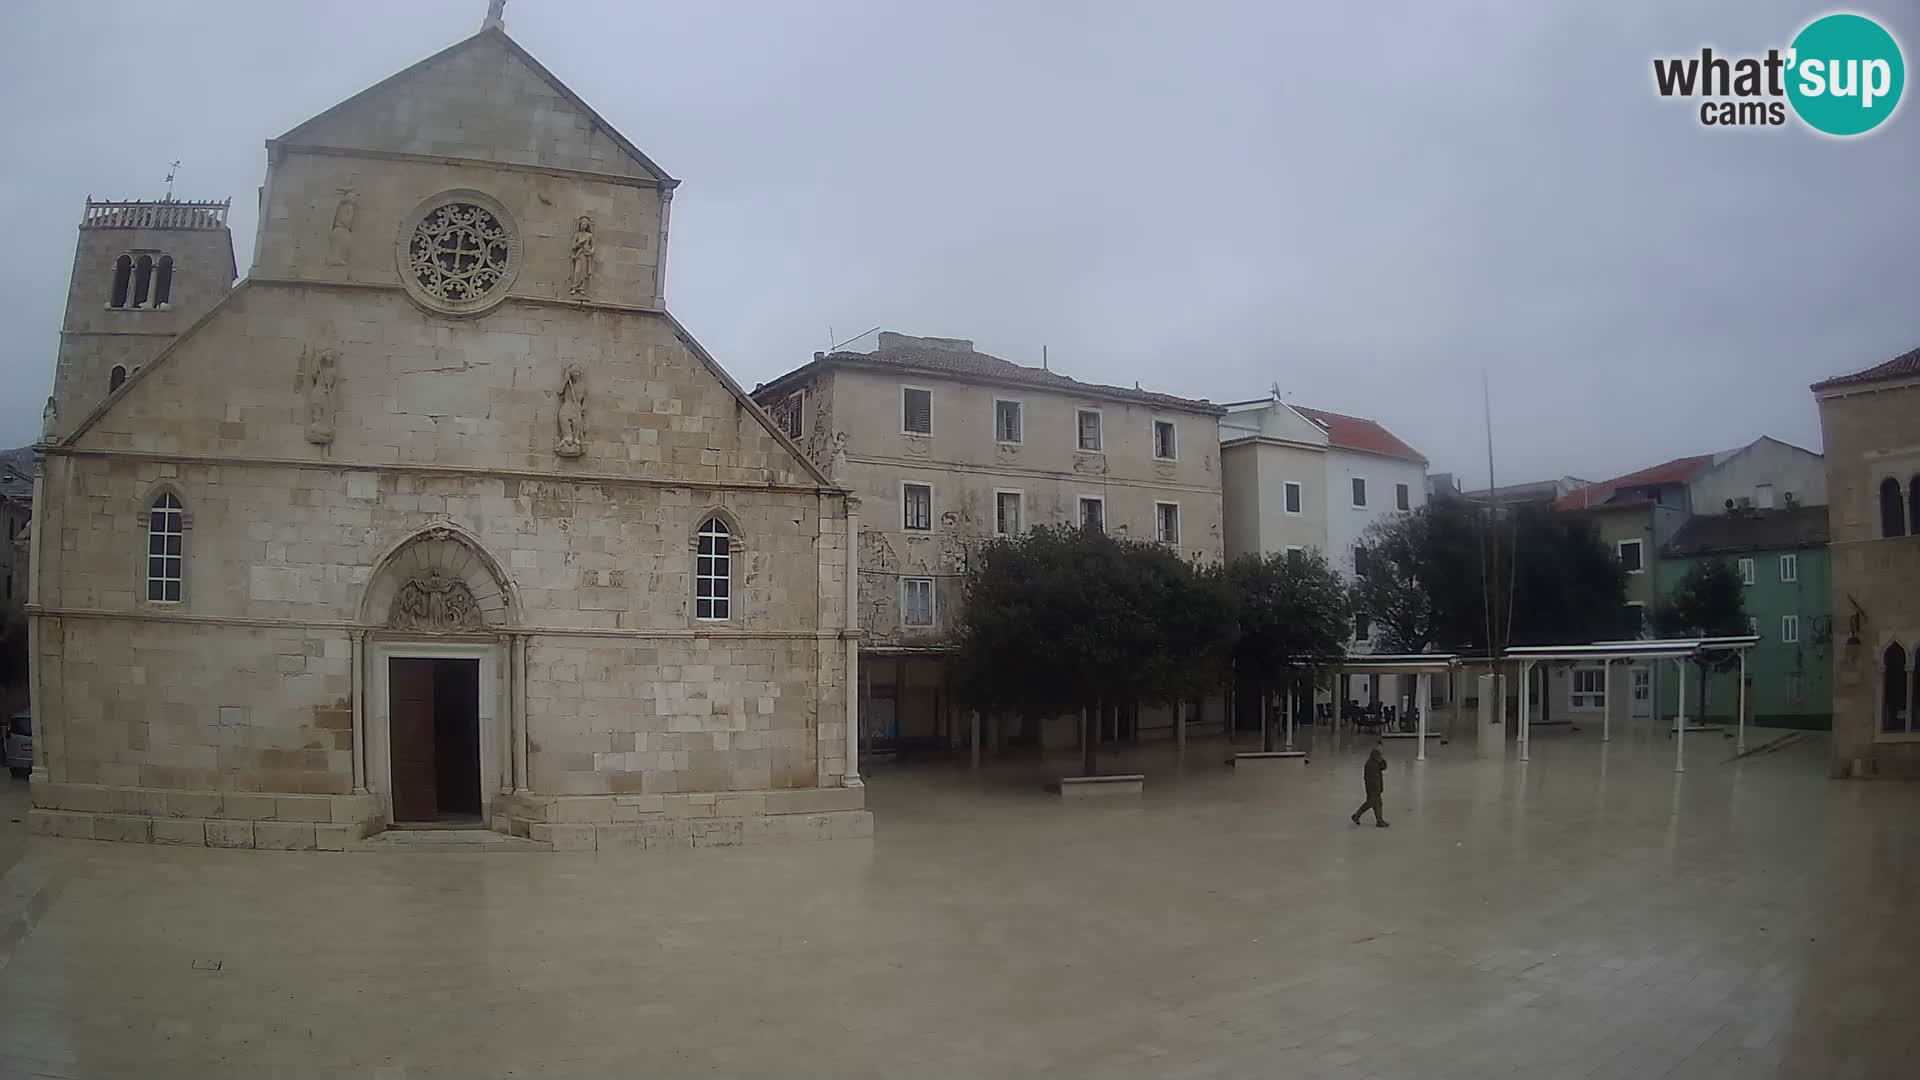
<point>437,516</point>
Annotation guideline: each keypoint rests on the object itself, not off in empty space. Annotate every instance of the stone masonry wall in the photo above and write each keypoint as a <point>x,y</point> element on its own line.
<point>1869,436</point>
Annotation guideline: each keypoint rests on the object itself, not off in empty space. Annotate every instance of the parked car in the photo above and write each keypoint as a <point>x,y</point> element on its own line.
<point>19,742</point>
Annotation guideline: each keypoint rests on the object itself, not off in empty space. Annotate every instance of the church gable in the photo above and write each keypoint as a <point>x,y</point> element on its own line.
<point>347,377</point>
<point>483,99</point>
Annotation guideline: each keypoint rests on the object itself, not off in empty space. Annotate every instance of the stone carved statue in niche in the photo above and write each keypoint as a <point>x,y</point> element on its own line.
<point>837,463</point>
<point>340,238</point>
<point>317,386</point>
<point>49,420</point>
<point>573,413</point>
<point>436,604</point>
<point>582,275</point>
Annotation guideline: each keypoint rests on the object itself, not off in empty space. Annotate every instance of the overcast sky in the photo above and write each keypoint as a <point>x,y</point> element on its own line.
<point>1366,204</point>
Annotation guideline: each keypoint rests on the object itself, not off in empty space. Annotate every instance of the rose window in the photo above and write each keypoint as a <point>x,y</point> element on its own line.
<point>460,253</point>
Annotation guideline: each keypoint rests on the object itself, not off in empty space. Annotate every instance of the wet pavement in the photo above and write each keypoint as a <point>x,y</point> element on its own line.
<point>1588,914</point>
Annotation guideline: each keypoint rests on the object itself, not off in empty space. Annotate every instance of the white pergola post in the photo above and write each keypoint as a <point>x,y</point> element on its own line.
<point>1526,708</point>
<point>1290,705</point>
<point>1423,688</point>
<point>1680,724</point>
<point>1740,741</point>
<point>1606,700</point>
<point>1453,696</point>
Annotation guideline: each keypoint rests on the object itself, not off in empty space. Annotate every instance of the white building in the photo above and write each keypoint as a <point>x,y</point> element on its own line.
<point>1295,477</point>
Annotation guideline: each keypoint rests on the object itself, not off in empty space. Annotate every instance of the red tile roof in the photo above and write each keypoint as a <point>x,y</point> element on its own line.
<point>1904,366</point>
<point>1359,433</point>
<point>1677,471</point>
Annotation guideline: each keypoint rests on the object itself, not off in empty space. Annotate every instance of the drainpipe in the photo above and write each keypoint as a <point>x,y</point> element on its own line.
<point>851,635</point>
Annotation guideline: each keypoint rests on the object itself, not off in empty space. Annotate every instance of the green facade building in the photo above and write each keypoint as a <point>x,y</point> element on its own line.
<point>1782,557</point>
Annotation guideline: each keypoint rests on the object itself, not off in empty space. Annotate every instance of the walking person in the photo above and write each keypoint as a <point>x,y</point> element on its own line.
<point>1376,782</point>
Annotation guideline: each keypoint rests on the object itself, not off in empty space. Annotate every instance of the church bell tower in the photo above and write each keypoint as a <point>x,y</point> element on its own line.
<point>142,273</point>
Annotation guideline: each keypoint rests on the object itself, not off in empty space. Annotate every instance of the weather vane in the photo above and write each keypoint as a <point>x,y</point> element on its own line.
<point>172,167</point>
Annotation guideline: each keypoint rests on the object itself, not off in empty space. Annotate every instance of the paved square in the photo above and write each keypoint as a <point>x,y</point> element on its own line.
<point>1589,915</point>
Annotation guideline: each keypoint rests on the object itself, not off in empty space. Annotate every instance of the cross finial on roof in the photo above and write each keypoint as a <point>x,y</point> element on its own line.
<point>496,15</point>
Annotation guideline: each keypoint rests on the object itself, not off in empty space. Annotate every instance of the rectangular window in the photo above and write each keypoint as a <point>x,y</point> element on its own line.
<point>1362,626</point>
<point>1789,568</point>
<point>1166,517</point>
<point>1006,513</point>
<point>1746,571</point>
<point>1630,556</point>
<point>916,601</point>
<point>1164,446</point>
<point>1402,497</point>
<point>1359,491</point>
<point>916,507</point>
<point>1359,562</point>
<point>916,411</point>
<point>1763,497</point>
<point>1008,426</point>
<point>1093,513</point>
<point>1637,617</point>
<point>793,415</point>
<point>1292,493</point>
<point>1790,628</point>
<point>1589,688</point>
<point>1087,421</point>
<point>1296,550</point>
<point>1753,625</point>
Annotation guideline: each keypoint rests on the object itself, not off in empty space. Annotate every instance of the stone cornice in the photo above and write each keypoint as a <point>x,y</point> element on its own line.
<point>380,630</point>
<point>469,163</point>
<point>512,297</point>
<point>419,469</point>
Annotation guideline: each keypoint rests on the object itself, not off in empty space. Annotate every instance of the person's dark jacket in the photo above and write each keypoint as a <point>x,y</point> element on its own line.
<point>1376,764</point>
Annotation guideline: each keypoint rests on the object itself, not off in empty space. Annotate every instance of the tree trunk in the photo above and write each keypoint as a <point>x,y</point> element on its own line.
<point>1700,714</point>
<point>1546,695</point>
<point>1266,719</point>
<point>1090,736</point>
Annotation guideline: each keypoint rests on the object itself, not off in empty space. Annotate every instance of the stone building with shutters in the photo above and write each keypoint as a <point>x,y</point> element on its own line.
<point>946,448</point>
<point>1867,420</point>
<point>438,516</point>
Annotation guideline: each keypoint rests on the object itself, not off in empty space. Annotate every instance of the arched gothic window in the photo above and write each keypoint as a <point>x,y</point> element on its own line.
<point>122,281</point>
<point>142,281</point>
<point>1913,504</point>
<point>116,377</point>
<point>713,571</point>
<point>166,531</point>
<point>1893,690</point>
<point>163,282</point>
<point>1892,515</point>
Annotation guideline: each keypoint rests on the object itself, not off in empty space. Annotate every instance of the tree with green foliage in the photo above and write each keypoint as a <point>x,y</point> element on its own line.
<point>1293,616</point>
<point>1709,600</point>
<point>1060,619</point>
<point>1432,574</point>
<point>1392,586</point>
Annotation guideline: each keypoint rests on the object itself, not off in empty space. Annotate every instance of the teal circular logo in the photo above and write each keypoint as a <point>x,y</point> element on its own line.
<point>1845,74</point>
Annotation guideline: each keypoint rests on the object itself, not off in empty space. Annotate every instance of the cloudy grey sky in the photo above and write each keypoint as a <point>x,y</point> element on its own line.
<point>1367,204</point>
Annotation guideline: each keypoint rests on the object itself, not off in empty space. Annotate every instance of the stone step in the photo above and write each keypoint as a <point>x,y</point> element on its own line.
<point>417,840</point>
